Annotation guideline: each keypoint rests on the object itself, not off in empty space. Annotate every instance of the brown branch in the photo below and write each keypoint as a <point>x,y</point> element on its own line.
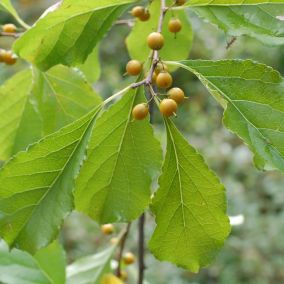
<point>231,42</point>
<point>141,249</point>
<point>155,54</point>
<point>121,248</point>
<point>14,35</point>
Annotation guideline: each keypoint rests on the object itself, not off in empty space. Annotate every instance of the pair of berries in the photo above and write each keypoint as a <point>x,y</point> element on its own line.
<point>141,13</point>
<point>168,107</point>
<point>7,57</point>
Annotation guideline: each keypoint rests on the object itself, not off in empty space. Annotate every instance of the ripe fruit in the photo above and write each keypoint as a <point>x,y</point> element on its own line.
<point>114,241</point>
<point>164,80</point>
<point>145,16</point>
<point>9,28</point>
<point>134,67</point>
<point>140,111</point>
<point>180,2</point>
<point>8,57</point>
<point>128,258</point>
<point>175,25</point>
<point>138,11</point>
<point>123,275</point>
<point>176,94</point>
<point>107,229</point>
<point>161,67</point>
<point>168,107</point>
<point>155,41</point>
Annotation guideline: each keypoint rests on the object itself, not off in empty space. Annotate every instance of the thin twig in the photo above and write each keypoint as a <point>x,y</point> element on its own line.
<point>231,42</point>
<point>141,249</point>
<point>155,55</point>
<point>121,248</point>
<point>15,35</point>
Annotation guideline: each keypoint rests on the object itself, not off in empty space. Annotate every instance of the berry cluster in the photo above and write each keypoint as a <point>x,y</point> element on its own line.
<point>159,75</point>
<point>127,258</point>
<point>7,56</point>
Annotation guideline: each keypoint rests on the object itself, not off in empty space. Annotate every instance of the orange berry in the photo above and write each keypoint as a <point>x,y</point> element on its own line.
<point>176,94</point>
<point>9,58</point>
<point>140,111</point>
<point>134,67</point>
<point>138,11</point>
<point>145,16</point>
<point>180,2</point>
<point>161,67</point>
<point>123,275</point>
<point>155,41</point>
<point>175,25</point>
<point>2,54</point>
<point>9,28</point>
<point>128,258</point>
<point>168,107</point>
<point>107,229</point>
<point>164,80</point>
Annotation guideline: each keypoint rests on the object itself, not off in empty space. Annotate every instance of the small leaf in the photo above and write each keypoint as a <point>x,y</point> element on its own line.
<point>36,186</point>
<point>123,155</point>
<point>90,269</point>
<point>18,267</point>
<point>176,47</point>
<point>70,33</point>
<point>190,207</point>
<point>259,21</point>
<point>252,95</point>
<point>52,261</point>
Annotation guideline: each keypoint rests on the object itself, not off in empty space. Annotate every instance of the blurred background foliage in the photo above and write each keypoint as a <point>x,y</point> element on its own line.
<point>254,253</point>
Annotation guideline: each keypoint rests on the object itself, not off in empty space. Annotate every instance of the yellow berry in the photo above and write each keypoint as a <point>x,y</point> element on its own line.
<point>168,107</point>
<point>123,275</point>
<point>176,94</point>
<point>107,229</point>
<point>145,16</point>
<point>138,11</point>
<point>128,258</point>
<point>134,67</point>
<point>164,80</point>
<point>161,67</point>
<point>155,41</point>
<point>140,111</point>
<point>175,25</point>
<point>9,28</point>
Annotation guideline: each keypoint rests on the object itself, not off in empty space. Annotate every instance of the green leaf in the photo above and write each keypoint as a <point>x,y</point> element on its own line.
<point>177,47</point>
<point>18,267</point>
<point>252,95</point>
<point>7,6</point>
<point>261,22</point>
<point>123,155</point>
<point>52,261</point>
<point>230,2</point>
<point>70,33</point>
<point>190,207</point>
<point>91,68</point>
<point>90,269</point>
<point>38,104</point>
<point>36,186</point>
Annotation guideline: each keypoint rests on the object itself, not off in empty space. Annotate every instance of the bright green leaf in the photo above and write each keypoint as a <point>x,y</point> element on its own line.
<point>190,207</point>
<point>36,186</point>
<point>230,2</point>
<point>35,106</point>
<point>90,269</point>
<point>52,261</point>
<point>114,182</point>
<point>253,96</point>
<point>177,47</point>
<point>261,22</point>
<point>91,68</point>
<point>70,33</point>
<point>18,267</point>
